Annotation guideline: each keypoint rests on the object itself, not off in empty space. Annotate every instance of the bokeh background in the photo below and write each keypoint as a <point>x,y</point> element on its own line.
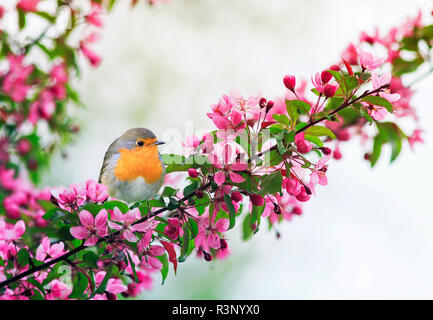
<point>368,234</point>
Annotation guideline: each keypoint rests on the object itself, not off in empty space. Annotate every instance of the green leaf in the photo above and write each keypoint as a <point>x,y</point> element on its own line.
<point>169,192</point>
<point>21,19</point>
<point>232,211</point>
<point>23,257</point>
<point>164,269</point>
<point>173,204</point>
<point>36,295</point>
<point>194,227</point>
<point>80,285</point>
<point>132,266</point>
<point>190,189</point>
<point>314,139</point>
<point>378,101</point>
<point>282,118</point>
<point>185,244</point>
<point>103,285</point>
<point>292,110</point>
<point>247,231</point>
<point>91,259</point>
<point>122,206</point>
<point>377,149</point>
<point>93,208</point>
<point>300,105</point>
<point>320,131</point>
<point>271,183</point>
<point>45,15</point>
<point>46,205</point>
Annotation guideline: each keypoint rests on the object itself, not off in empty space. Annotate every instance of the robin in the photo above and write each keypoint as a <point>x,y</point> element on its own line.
<point>133,169</point>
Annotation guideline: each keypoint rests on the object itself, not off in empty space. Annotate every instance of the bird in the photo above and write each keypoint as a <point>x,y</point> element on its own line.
<point>133,170</point>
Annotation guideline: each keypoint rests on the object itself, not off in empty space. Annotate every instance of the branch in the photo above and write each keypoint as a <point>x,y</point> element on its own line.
<point>343,106</point>
<point>104,239</point>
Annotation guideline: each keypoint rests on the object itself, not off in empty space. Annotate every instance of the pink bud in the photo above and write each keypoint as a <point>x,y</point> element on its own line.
<point>329,90</point>
<point>334,67</point>
<point>293,187</point>
<point>303,195</point>
<point>257,200</point>
<point>343,135</point>
<point>337,154</point>
<point>290,82</point>
<point>223,244</point>
<point>297,210</point>
<point>262,102</point>
<point>326,150</point>
<point>326,76</point>
<point>192,173</point>
<point>207,256</point>
<point>23,146</point>
<point>236,196</point>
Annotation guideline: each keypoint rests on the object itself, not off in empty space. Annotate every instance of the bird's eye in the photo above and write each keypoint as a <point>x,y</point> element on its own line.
<point>140,143</point>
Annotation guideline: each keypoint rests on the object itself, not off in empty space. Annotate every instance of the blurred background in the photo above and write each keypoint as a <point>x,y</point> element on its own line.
<point>368,234</point>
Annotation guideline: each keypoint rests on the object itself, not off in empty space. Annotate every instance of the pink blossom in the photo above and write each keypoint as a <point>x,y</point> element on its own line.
<point>45,249</point>
<point>173,229</point>
<point>91,227</point>
<point>27,5</point>
<point>292,186</point>
<point>114,285</point>
<point>225,159</point>
<point>95,16</point>
<point>96,192</point>
<point>126,223</point>
<point>59,73</point>
<point>93,58</point>
<point>319,173</point>
<point>59,290</point>
<point>12,233</point>
<point>14,83</point>
<point>72,196</point>
<point>208,236</point>
<point>149,260</point>
<point>302,145</point>
<point>367,61</point>
<point>415,137</point>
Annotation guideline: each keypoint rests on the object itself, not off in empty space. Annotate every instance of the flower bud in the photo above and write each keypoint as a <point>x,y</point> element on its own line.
<point>207,256</point>
<point>192,173</point>
<point>236,196</point>
<point>277,209</point>
<point>199,194</point>
<point>32,164</point>
<point>110,296</point>
<point>290,82</point>
<point>329,90</point>
<point>343,135</point>
<point>337,154</point>
<point>303,195</point>
<point>23,147</point>
<point>293,187</point>
<point>269,105</point>
<point>257,200</point>
<point>326,150</point>
<point>262,102</point>
<point>334,67</point>
<point>223,244</point>
<point>326,76</point>
<point>367,156</point>
<point>297,210</point>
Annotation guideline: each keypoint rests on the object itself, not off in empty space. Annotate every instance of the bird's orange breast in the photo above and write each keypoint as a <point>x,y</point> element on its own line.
<point>139,162</point>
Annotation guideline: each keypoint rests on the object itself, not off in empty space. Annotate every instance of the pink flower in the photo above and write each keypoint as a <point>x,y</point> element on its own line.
<point>95,16</point>
<point>91,227</point>
<point>59,290</point>
<point>367,61</point>
<point>292,186</point>
<point>27,5</point>
<point>319,173</point>
<point>72,196</point>
<point>14,83</point>
<point>207,236</point>
<point>225,159</point>
<point>114,285</point>
<point>415,137</point>
<point>45,250</point>
<point>93,58</point>
<point>96,192</point>
<point>12,234</point>
<point>59,73</point>
<point>126,223</point>
<point>302,145</point>
<point>174,228</point>
<point>149,260</point>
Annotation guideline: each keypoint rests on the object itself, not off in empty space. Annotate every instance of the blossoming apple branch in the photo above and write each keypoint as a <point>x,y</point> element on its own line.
<point>265,158</point>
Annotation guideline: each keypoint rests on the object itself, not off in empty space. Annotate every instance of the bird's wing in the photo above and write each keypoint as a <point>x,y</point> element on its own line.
<point>110,152</point>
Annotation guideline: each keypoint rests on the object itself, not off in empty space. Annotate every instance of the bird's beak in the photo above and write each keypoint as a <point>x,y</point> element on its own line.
<point>157,143</point>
